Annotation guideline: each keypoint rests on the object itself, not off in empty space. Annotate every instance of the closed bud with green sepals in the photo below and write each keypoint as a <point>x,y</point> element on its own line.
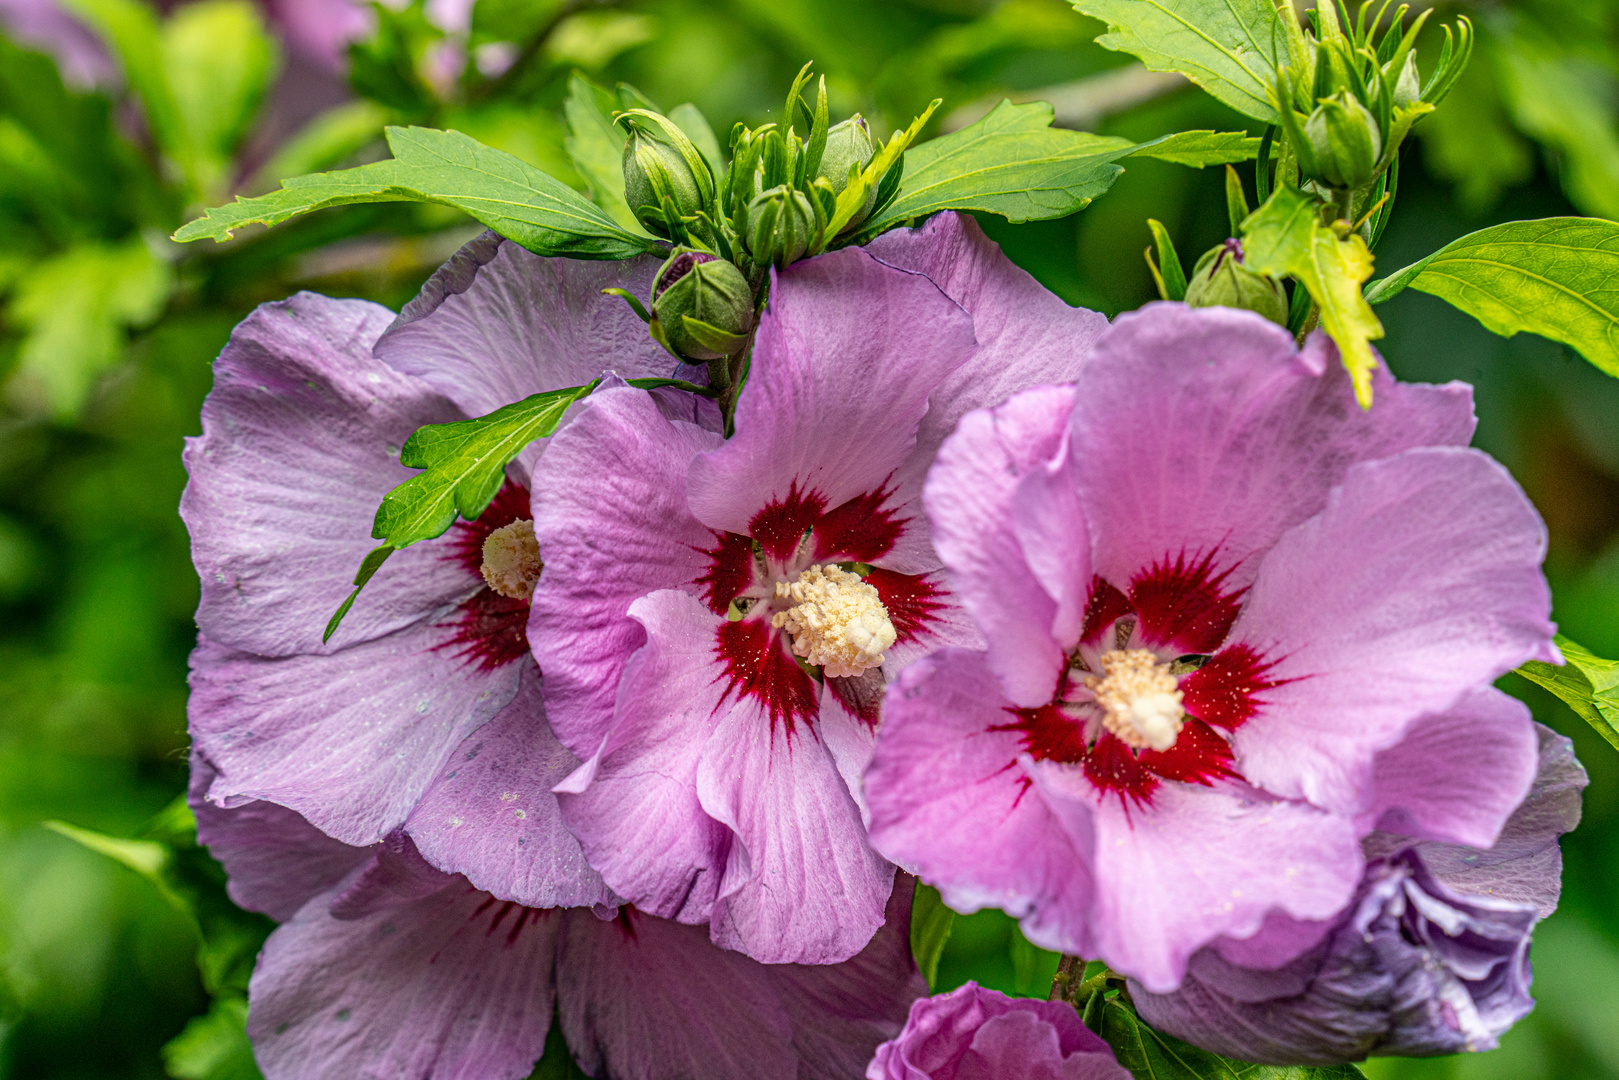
<point>1222,280</point>
<point>702,305</point>
<point>662,165</point>
<point>849,146</point>
<point>778,226</point>
<point>1346,140</point>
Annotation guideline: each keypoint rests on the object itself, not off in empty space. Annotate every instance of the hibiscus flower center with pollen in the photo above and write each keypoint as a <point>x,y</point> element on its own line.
<point>1139,697</point>
<point>838,622</point>
<point>511,560</point>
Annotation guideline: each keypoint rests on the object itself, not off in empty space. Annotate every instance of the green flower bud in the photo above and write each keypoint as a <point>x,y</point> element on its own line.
<point>696,285</point>
<point>849,144</point>
<point>1221,280</point>
<point>1408,87</point>
<point>1346,140</point>
<point>660,161</point>
<point>778,226</point>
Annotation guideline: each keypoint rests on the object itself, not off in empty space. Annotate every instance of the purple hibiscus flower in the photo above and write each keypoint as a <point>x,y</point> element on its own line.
<point>385,965</point>
<point>1431,957</point>
<point>977,1034</point>
<point>301,434</point>
<point>1232,623</point>
<point>718,618</point>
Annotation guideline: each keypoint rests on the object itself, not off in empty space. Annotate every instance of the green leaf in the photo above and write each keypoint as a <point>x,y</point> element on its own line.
<point>556,1063</point>
<point>1152,1055</point>
<point>1011,162</point>
<point>1557,277</point>
<point>132,29</point>
<point>508,195</point>
<point>853,196</point>
<point>1199,148</point>
<point>213,1046</point>
<point>596,145</point>
<point>326,140</point>
<point>74,308</point>
<point>1167,273</point>
<point>218,59</point>
<point>930,929</point>
<point>1231,48</point>
<point>691,120</point>
<point>1586,682</point>
<point>1285,237</point>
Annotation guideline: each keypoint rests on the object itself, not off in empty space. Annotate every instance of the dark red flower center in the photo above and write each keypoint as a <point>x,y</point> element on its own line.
<point>1174,619</point>
<point>488,629</point>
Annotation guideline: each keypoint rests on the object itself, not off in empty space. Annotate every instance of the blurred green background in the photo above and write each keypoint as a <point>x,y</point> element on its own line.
<point>107,330</point>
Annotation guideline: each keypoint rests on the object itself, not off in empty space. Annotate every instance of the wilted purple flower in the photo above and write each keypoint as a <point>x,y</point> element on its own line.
<point>301,434</point>
<point>718,617</point>
<point>387,966</point>
<point>1232,622</point>
<point>1431,957</point>
<point>977,1034</point>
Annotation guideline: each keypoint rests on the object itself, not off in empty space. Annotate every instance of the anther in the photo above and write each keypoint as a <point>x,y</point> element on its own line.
<point>837,621</point>
<point>1140,701</point>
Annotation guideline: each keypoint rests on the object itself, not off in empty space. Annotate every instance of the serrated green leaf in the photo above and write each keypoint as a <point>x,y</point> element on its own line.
<point>1152,1055</point>
<point>1557,277</point>
<point>505,193</point>
<point>596,145</point>
<point>1196,149</point>
<point>213,1046</point>
<point>1231,48</point>
<point>931,923</point>
<point>326,141</point>
<point>1586,682</point>
<point>1285,237</point>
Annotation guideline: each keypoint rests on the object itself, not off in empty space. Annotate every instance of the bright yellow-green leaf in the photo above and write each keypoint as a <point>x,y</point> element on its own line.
<point>1586,682</point>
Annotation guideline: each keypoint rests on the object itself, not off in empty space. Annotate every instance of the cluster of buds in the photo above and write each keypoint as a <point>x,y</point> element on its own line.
<point>1351,94</point>
<point>781,197</point>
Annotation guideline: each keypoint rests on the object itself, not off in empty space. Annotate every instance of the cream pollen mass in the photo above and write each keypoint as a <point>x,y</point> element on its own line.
<point>1140,699</point>
<point>511,560</point>
<point>838,621</point>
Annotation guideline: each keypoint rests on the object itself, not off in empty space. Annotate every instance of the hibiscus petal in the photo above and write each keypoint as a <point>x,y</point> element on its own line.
<point>300,441</point>
<point>276,861</point>
<point>634,806</point>
<point>1456,776</point>
<point>350,740</point>
<point>611,520</point>
<point>444,986</point>
<point>969,497</point>
<point>804,886</point>
<point>1198,863</point>
<point>1419,581</point>
<point>839,379</point>
<point>647,999</point>
<point>950,803</point>
<point>491,814</point>
<point>1206,430</point>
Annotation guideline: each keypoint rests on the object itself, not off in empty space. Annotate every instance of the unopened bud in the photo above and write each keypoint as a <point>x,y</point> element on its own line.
<point>1408,87</point>
<point>849,145</point>
<point>698,286</point>
<point>779,226</point>
<point>659,163</point>
<point>1221,280</point>
<point>1346,140</point>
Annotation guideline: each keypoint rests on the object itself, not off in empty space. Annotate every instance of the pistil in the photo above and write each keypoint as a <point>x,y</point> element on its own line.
<point>1140,699</point>
<point>511,560</point>
<point>838,622</point>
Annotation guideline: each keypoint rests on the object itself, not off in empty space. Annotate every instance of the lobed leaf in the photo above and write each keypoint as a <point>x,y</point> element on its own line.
<point>1199,148</point>
<point>505,193</point>
<point>1557,277</point>
<point>1285,237</point>
<point>1586,682</point>
<point>596,145</point>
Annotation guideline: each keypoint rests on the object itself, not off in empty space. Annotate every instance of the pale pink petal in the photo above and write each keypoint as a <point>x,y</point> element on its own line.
<point>1418,581</point>
<point>1205,430</point>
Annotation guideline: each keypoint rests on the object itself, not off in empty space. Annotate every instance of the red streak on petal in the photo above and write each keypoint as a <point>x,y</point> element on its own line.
<point>862,695</point>
<point>858,531</point>
<point>780,527</point>
<point>489,630</point>
<point>1225,691</point>
<point>913,601</point>
<point>1049,734</point>
<point>1182,605</point>
<point>1199,756</point>
<point>1105,607</point>
<point>759,667</point>
<point>730,570</point>
<point>1112,767</point>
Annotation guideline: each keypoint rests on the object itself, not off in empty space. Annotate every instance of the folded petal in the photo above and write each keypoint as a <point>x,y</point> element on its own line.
<point>491,814</point>
<point>839,380</point>
<point>611,519</point>
<point>1418,581</point>
<point>634,806</point>
<point>300,442</point>
<point>647,999</point>
<point>804,886</point>
<point>350,740</point>
<point>275,860</point>
<point>450,985</point>
<point>968,498</point>
<point>950,802</point>
<point>1206,432</point>
<point>1459,775</point>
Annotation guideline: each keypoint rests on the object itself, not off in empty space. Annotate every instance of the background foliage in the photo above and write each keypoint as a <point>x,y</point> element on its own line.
<point>107,330</point>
